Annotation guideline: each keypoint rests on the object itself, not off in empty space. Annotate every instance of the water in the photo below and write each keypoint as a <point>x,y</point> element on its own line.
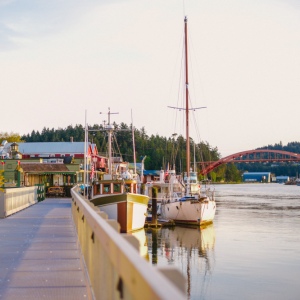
<point>252,251</point>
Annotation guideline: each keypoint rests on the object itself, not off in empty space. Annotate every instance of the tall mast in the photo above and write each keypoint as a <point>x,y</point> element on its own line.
<point>187,100</point>
<point>186,108</point>
<point>109,128</point>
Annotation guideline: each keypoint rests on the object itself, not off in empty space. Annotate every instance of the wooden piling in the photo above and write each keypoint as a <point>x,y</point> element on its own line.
<point>154,206</point>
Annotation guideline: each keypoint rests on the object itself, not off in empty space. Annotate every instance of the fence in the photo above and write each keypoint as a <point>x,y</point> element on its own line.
<point>13,200</point>
<point>115,268</point>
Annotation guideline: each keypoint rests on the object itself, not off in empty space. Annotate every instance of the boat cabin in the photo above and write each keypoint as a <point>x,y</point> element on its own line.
<point>121,181</point>
<point>106,187</point>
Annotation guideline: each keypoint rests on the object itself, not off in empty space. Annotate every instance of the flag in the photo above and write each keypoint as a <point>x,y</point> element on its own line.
<point>167,170</point>
<point>92,172</point>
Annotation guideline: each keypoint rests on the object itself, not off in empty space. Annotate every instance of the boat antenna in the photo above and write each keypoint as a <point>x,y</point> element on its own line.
<point>133,144</point>
<point>85,153</point>
<point>109,128</point>
<point>195,166</point>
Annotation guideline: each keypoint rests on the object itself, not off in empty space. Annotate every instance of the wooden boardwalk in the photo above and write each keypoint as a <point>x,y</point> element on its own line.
<point>40,256</point>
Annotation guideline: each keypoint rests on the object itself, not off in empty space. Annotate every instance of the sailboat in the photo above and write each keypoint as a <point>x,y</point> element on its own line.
<point>195,207</point>
<point>117,192</point>
<point>191,250</point>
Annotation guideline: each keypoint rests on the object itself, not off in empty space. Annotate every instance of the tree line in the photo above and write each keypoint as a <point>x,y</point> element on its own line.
<point>160,152</point>
<point>283,168</point>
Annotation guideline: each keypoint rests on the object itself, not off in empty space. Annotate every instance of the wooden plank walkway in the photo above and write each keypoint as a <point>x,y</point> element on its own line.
<point>40,256</point>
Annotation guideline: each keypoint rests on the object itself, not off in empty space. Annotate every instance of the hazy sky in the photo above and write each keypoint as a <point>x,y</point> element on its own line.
<point>59,59</point>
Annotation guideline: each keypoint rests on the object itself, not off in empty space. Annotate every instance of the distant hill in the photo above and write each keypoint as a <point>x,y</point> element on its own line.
<point>162,151</point>
<point>290,147</point>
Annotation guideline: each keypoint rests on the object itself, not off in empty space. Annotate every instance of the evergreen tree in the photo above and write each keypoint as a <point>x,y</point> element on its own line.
<point>160,150</point>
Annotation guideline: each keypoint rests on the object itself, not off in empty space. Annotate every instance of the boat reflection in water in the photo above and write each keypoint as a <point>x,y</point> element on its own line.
<point>140,235</point>
<point>189,249</point>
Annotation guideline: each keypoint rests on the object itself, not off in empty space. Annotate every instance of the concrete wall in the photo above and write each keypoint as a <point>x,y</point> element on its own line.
<point>115,267</point>
<point>15,199</point>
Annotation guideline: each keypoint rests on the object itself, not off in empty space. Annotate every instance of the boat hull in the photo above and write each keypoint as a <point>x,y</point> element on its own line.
<point>128,209</point>
<point>189,212</point>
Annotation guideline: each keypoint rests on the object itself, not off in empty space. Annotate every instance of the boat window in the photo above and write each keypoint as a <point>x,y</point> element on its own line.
<point>97,189</point>
<point>106,188</point>
<point>117,187</point>
<point>127,188</point>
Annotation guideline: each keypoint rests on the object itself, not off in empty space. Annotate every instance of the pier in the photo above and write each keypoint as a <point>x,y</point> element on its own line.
<point>40,257</point>
<point>65,248</point>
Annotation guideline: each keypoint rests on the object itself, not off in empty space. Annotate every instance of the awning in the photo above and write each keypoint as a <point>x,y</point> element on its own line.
<point>51,173</point>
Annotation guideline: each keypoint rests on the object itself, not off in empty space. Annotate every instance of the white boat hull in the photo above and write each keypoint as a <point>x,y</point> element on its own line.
<point>189,212</point>
<point>128,209</point>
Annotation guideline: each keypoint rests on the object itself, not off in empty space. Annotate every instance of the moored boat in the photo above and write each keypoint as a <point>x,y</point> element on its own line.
<point>117,192</point>
<point>117,195</point>
<point>169,186</point>
<point>194,207</point>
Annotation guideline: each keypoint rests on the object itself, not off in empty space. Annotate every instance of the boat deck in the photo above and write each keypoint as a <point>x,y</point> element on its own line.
<point>40,256</point>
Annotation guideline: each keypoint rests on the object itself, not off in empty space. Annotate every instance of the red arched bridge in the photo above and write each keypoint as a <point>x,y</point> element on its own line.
<point>262,156</point>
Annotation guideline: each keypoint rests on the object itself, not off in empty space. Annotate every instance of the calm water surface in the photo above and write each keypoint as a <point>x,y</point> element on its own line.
<point>252,251</point>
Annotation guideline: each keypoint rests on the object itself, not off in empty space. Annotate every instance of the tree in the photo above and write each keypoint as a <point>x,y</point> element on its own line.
<point>2,180</point>
<point>10,137</point>
<point>160,151</point>
<point>232,174</point>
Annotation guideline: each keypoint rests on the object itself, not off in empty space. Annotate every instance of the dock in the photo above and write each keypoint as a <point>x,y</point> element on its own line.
<point>66,248</point>
<point>40,257</point>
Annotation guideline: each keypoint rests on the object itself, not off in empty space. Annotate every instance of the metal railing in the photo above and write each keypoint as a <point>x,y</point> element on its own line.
<point>115,268</point>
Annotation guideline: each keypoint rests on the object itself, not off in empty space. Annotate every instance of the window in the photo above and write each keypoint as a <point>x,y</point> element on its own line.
<point>117,187</point>
<point>106,188</point>
<point>127,188</point>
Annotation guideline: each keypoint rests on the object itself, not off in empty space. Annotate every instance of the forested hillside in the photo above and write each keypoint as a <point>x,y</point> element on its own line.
<point>290,147</point>
<point>161,151</point>
<point>288,169</point>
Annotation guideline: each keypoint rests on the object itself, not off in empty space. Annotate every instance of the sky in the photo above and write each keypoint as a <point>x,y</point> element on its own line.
<point>64,62</point>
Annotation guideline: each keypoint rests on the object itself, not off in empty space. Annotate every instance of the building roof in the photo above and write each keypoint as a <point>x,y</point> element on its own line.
<point>151,172</point>
<point>44,168</point>
<point>48,148</point>
<point>256,173</point>
<point>52,147</point>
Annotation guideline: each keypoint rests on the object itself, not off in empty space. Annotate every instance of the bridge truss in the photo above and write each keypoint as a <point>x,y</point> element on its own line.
<point>261,156</point>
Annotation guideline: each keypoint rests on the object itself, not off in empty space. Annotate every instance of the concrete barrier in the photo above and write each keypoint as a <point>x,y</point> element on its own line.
<point>13,200</point>
<point>115,268</point>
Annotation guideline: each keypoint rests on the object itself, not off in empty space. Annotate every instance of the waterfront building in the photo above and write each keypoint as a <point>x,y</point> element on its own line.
<point>282,179</point>
<point>257,177</point>
<point>48,163</point>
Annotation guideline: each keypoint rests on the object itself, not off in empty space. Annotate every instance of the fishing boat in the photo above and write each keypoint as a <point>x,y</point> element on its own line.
<point>116,192</point>
<point>195,207</point>
<point>168,186</point>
